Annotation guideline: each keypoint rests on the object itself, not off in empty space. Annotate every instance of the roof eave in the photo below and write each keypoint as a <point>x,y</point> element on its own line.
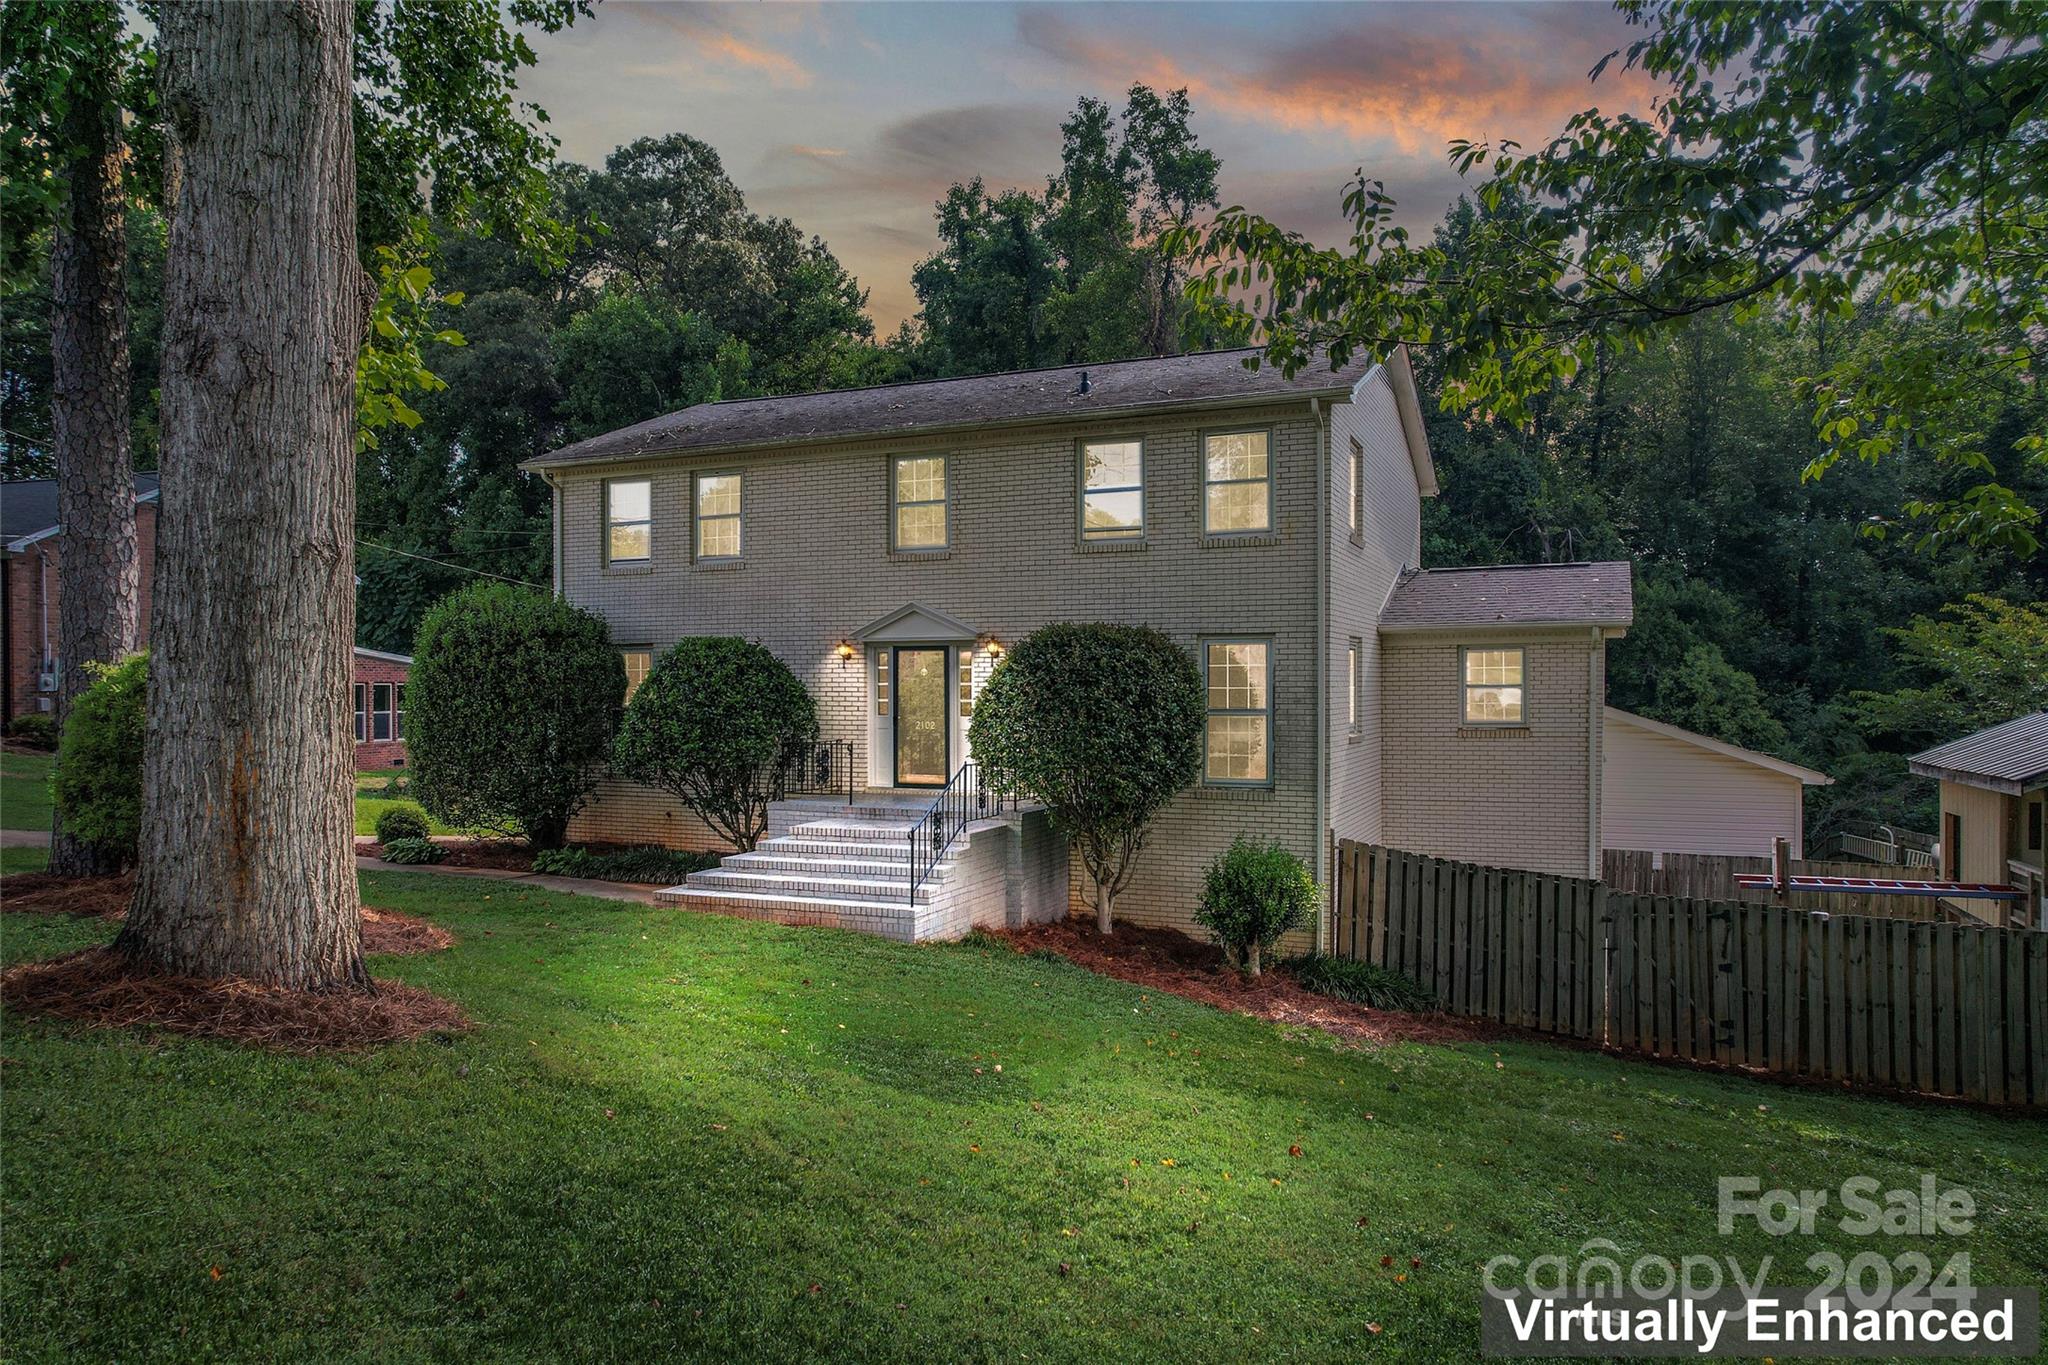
<point>1461,627</point>
<point>546,463</point>
<point>1810,777</point>
<point>2005,786</point>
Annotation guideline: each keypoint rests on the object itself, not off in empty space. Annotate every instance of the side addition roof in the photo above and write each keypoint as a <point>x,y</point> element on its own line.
<point>1526,594</point>
<point>1116,388</point>
<point>1808,776</point>
<point>28,509</point>
<point>2010,758</point>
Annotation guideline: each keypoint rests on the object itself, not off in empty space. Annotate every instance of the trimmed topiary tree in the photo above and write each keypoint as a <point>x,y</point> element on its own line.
<point>511,706</point>
<point>1101,723</point>
<point>711,725</point>
<point>98,779</point>
<point>1255,893</point>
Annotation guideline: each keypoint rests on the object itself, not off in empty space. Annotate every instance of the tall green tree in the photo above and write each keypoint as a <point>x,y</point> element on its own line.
<point>1803,157</point>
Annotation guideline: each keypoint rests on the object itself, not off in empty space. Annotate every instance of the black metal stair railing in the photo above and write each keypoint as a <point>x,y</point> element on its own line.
<point>964,799</point>
<point>820,768</point>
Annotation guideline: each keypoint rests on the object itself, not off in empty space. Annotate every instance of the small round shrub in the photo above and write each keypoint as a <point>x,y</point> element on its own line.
<point>510,710</point>
<point>1254,893</point>
<point>98,778</point>
<point>401,822</point>
<point>711,725</point>
<point>35,730</point>
<point>413,851</point>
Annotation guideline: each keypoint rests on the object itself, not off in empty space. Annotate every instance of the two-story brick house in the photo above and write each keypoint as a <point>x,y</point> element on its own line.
<point>889,543</point>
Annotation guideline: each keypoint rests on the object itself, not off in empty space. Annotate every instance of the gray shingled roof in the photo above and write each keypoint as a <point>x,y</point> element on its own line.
<point>30,505</point>
<point>1516,595</point>
<point>2008,758</point>
<point>1124,387</point>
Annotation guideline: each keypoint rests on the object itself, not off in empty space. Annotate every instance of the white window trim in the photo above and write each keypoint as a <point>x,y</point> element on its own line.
<point>1271,481</point>
<point>944,502</point>
<point>1082,490</point>
<point>1270,711</point>
<point>362,717</point>
<point>386,711</point>
<point>1356,511</point>
<point>1353,661</point>
<point>625,652</point>
<point>605,497</point>
<point>1465,720</point>
<point>697,518</point>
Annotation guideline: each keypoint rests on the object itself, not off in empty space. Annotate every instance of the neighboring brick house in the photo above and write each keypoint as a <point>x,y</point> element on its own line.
<point>889,543</point>
<point>379,699</point>
<point>32,585</point>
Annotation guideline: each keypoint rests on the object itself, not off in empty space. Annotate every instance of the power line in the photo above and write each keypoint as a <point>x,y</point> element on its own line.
<point>442,563</point>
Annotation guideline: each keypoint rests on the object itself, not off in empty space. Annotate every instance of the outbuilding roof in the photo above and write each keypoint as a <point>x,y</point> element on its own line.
<point>28,508</point>
<point>1811,777</point>
<point>1115,388</point>
<point>1599,594</point>
<point>2010,758</point>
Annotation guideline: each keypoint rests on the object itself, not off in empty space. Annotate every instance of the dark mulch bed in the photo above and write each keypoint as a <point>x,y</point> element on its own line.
<point>106,990</point>
<point>385,932</point>
<point>496,853</point>
<point>1167,960</point>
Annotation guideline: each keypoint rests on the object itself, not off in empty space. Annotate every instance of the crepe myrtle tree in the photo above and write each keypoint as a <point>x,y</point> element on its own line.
<point>1103,724</point>
<point>712,724</point>
<point>511,706</point>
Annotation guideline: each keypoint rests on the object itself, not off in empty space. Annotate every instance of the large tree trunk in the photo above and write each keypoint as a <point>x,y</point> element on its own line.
<point>247,864</point>
<point>96,616</point>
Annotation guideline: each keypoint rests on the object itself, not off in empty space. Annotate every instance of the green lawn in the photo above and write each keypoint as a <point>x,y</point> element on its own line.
<point>25,791</point>
<point>370,803</point>
<point>676,1135</point>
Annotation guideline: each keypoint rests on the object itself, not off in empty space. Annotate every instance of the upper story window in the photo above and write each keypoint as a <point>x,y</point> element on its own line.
<point>1112,490</point>
<point>719,500</point>
<point>1239,742</point>
<point>917,490</point>
<point>1493,687</point>
<point>639,663</point>
<point>1237,482</point>
<point>629,521</point>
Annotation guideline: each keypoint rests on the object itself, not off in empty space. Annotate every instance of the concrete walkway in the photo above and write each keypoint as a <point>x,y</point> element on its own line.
<point>24,838</point>
<point>639,892</point>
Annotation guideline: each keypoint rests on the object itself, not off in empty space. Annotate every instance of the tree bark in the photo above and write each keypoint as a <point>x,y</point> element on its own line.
<point>96,614</point>
<point>247,864</point>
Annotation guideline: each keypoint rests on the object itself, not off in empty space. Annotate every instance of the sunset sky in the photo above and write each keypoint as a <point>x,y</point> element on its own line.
<point>853,118</point>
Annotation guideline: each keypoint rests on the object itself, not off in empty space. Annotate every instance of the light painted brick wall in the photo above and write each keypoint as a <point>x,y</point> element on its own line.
<point>817,567</point>
<point>1508,797</point>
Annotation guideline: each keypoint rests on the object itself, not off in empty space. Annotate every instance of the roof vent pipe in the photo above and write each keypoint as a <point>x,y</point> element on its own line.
<point>1081,390</point>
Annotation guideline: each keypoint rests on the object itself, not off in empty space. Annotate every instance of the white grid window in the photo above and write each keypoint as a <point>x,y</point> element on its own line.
<point>629,521</point>
<point>1112,490</point>
<point>918,491</point>
<point>398,713</point>
<point>380,711</point>
<point>966,684</point>
<point>639,662</point>
<point>882,682</point>
<point>719,502</point>
<point>1238,747</point>
<point>362,713</point>
<point>1493,687</point>
<point>1237,483</point>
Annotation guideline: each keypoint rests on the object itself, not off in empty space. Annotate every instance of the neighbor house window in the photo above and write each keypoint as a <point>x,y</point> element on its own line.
<point>362,713</point>
<point>380,710</point>
<point>1112,490</point>
<point>1356,509</point>
<point>1493,687</point>
<point>1351,685</point>
<point>398,713</point>
<point>629,521</point>
<point>917,485</point>
<point>638,662</point>
<point>1237,482</point>
<point>882,682</point>
<point>1239,743</point>
<point>719,498</point>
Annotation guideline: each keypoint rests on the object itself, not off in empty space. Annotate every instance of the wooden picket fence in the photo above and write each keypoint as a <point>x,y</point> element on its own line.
<point>1947,1009</point>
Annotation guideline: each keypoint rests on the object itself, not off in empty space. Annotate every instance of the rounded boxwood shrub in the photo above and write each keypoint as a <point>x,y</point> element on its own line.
<point>510,710</point>
<point>413,851</point>
<point>98,779</point>
<point>1101,723</point>
<point>1253,894</point>
<point>711,725</point>
<point>401,822</point>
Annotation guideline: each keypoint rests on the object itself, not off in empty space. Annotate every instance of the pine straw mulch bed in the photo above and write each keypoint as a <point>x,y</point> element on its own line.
<point>386,933</point>
<point>1167,960</point>
<point>105,989</point>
